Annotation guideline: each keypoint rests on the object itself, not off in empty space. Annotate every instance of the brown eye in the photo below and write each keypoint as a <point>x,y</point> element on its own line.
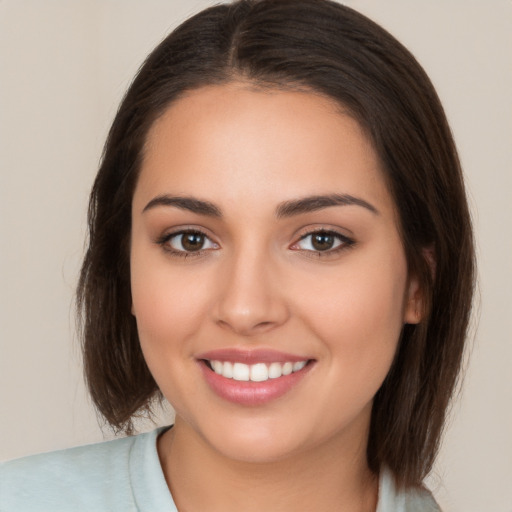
<point>322,241</point>
<point>192,241</point>
<point>189,241</point>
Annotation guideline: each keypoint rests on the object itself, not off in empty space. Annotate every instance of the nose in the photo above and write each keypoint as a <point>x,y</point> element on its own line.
<point>251,298</point>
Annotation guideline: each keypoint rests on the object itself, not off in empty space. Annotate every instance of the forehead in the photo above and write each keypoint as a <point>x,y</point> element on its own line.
<point>235,140</point>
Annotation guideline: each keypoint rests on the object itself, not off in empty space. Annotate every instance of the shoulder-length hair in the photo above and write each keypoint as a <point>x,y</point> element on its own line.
<point>321,46</point>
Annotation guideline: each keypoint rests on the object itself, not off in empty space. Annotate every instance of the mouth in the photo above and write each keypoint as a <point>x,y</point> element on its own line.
<point>259,372</point>
<point>254,377</point>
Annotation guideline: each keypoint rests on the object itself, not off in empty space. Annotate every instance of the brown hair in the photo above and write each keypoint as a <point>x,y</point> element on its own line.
<point>322,46</point>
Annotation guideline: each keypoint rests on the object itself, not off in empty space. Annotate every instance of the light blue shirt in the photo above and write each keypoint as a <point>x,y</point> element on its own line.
<point>125,475</point>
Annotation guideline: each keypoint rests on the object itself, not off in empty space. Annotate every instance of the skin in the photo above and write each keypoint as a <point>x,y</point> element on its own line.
<point>257,283</point>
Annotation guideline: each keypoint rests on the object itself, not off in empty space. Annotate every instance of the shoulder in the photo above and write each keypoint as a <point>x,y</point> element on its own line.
<point>420,500</point>
<point>92,477</point>
<point>392,499</point>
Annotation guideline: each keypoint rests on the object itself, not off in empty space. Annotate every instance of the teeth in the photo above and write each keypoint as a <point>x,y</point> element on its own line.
<point>298,366</point>
<point>217,366</point>
<point>287,368</point>
<point>241,371</point>
<point>227,370</point>
<point>275,370</point>
<point>258,372</point>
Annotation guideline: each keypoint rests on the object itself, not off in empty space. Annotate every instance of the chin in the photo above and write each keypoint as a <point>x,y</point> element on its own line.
<point>252,440</point>
<point>258,451</point>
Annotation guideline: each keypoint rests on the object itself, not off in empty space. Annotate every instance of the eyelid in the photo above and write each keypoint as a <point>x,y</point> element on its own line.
<point>164,240</point>
<point>345,241</point>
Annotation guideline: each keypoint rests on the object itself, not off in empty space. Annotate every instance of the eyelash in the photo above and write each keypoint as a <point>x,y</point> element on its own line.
<point>344,243</point>
<point>165,239</point>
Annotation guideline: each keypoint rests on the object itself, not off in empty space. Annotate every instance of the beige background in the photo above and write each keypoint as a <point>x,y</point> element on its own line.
<point>63,68</point>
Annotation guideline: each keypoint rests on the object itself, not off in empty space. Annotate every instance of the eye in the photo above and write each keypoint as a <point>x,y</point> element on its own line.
<point>323,241</point>
<point>185,242</point>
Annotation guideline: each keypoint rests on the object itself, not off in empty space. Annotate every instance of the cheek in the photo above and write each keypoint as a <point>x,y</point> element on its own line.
<point>361,315</point>
<point>169,310</point>
<point>167,306</point>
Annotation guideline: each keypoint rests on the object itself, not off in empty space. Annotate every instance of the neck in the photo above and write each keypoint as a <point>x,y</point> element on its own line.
<point>331,477</point>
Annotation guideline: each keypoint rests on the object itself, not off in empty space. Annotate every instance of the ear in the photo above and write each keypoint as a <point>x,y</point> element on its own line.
<point>414,304</point>
<point>415,296</point>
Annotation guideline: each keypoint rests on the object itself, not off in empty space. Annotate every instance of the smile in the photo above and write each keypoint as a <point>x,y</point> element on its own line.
<point>253,377</point>
<point>259,372</point>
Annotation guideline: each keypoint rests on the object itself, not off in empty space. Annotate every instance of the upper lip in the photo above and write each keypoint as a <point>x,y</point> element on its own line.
<point>251,356</point>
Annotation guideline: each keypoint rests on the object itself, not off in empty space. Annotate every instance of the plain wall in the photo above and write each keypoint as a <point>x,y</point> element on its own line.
<point>63,69</point>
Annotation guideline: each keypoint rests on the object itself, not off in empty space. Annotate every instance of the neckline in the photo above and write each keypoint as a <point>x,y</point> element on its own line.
<point>150,490</point>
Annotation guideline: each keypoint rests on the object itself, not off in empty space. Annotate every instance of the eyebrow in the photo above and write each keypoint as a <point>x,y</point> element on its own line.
<point>185,203</point>
<point>313,203</point>
<point>285,209</point>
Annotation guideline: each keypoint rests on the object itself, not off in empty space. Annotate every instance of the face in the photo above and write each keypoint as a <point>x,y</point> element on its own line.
<point>269,281</point>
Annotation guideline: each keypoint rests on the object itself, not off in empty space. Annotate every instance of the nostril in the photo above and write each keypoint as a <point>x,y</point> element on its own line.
<point>262,325</point>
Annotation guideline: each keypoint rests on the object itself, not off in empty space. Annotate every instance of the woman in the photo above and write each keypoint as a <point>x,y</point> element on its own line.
<point>273,236</point>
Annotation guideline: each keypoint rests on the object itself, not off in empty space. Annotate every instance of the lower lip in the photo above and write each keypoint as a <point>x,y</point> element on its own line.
<point>252,393</point>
